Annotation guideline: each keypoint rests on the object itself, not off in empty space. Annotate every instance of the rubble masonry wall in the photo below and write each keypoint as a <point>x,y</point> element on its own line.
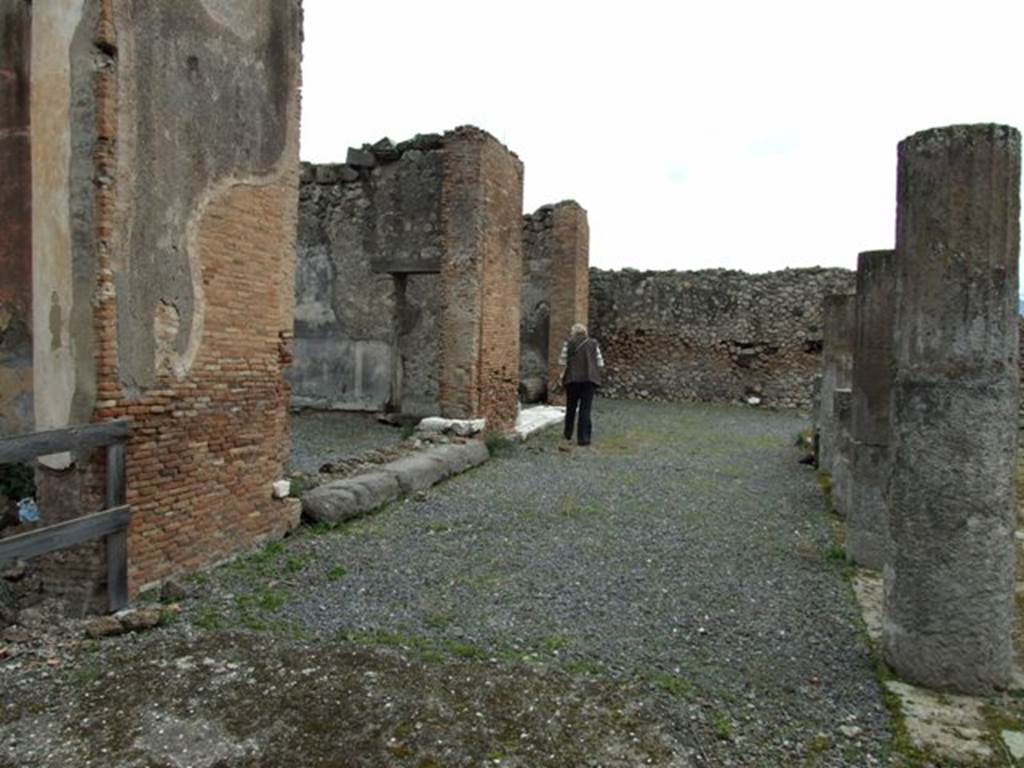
<point>712,335</point>
<point>351,321</point>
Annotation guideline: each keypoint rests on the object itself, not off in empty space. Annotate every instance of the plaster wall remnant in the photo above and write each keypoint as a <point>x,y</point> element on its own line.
<point>167,138</point>
<point>365,340</point>
<point>712,335</point>
<point>867,520</point>
<point>949,612</point>
<point>839,316</point>
<point>16,409</point>
<point>556,287</point>
<point>405,278</point>
<point>63,258</point>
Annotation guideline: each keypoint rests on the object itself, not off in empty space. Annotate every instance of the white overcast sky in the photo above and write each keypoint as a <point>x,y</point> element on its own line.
<point>745,135</point>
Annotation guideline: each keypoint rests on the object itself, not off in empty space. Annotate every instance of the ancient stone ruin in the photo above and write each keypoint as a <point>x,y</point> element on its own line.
<point>867,529</point>
<point>556,291</point>
<point>935,391</point>
<point>148,252</point>
<point>408,286</point>
<point>156,229</point>
<point>949,607</point>
<point>713,335</point>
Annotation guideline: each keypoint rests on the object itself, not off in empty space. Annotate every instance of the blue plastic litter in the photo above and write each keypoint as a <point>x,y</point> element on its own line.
<point>28,512</point>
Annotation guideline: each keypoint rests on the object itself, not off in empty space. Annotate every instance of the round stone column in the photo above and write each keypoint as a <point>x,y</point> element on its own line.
<point>949,584</point>
<point>837,363</point>
<point>867,522</point>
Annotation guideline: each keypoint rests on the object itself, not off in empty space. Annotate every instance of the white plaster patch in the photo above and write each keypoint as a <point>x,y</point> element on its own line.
<point>166,322</point>
<point>1014,741</point>
<point>53,27</point>
<point>533,420</point>
<point>461,427</point>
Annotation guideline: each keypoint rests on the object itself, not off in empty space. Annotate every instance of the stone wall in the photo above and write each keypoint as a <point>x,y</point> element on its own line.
<point>408,278</point>
<point>164,293</point>
<point>556,261</point>
<point>15,219</point>
<point>712,335</point>
<point>347,314</point>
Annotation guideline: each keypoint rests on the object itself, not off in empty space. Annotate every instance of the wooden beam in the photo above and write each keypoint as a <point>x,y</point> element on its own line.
<point>117,570</point>
<point>64,535</point>
<point>27,447</point>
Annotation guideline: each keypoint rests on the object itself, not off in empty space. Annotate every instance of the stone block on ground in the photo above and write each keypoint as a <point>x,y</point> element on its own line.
<point>138,619</point>
<point>418,471</point>
<point>461,427</point>
<point>104,626</point>
<point>533,420</point>
<point>346,499</point>
<point>460,457</point>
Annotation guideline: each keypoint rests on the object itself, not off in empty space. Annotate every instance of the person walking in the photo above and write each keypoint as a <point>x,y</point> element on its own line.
<point>581,362</point>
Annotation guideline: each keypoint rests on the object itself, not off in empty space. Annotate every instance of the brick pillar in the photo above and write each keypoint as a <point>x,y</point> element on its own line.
<point>949,610</point>
<point>570,280</point>
<point>481,278</point>
<point>867,521</point>
<point>15,219</point>
<point>838,313</point>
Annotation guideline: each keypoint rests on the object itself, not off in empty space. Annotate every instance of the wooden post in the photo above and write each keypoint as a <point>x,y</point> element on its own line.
<point>117,543</point>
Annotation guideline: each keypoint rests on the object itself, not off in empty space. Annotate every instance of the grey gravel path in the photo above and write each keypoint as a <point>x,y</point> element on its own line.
<point>669,596</point>
<point>318,437</point>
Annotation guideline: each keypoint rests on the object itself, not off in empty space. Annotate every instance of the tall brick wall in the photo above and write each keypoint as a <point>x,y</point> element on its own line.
<point>481,272</point>
<point>191,265</point>
<point>501,284</point>
<point>556,281</point>
<point>15,219</point>
<point>714,335</point>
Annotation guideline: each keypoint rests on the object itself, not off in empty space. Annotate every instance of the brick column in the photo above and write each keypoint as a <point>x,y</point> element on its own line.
<point>838,313</point>
<point>867,521</point>
<point>481,278</point>
<point>949,610</point>
<point>570,280</point>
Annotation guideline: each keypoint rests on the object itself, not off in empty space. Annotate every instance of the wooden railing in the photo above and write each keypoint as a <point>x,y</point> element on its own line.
<point>111,523</point>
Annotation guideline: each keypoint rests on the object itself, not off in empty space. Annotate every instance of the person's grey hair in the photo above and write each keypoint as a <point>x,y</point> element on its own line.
<point>579,329</point>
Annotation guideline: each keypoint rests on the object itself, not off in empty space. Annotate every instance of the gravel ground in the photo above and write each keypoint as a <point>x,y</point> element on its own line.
<point>669,596</point>
<point>319,436</point>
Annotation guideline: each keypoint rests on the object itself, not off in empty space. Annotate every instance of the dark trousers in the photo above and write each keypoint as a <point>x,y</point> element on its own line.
<point>578,395</point>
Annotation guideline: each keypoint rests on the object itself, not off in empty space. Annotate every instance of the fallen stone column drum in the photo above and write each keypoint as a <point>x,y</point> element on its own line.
<point>867,522</point>
<point>949,585</point>
<point>837,328</point>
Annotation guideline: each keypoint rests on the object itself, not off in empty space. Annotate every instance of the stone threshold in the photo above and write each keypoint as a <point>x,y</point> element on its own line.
<point>951,726</point>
